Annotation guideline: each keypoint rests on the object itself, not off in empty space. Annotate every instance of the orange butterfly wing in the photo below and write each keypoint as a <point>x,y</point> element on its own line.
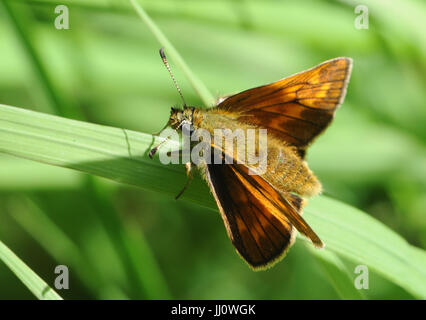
<point>297,108</point>
<point>259,220</point>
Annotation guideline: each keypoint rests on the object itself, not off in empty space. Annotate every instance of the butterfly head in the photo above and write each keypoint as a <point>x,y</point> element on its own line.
<point>179,118</point>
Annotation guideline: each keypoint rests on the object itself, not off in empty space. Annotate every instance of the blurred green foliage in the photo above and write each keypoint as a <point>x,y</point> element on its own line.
<point>123,242</point>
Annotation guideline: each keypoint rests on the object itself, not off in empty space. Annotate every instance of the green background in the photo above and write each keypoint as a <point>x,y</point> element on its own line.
<point>124,242</point>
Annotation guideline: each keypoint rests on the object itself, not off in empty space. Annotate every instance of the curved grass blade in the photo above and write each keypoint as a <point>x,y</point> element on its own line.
<point>28,277</point>
<point>337,273</point>
<point>351,233</point>
<point>198,86</point>
<point>53,240</point>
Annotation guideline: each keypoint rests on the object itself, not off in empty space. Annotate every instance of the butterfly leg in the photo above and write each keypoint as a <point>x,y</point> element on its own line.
<point>188,169</point>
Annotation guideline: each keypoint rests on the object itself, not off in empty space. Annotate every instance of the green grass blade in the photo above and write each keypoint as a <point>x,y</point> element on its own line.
<point>149,271</point>
<point>18,22</point>
<point>122,155</point>
<point>28,277</point>
<point>144,279</point>
<point>337,273</point>
<point>357,236</point>
<point>170,50</point>
<point>50,237</point>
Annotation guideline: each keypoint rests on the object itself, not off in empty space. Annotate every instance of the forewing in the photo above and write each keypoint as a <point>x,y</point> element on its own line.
<point>297,108</point>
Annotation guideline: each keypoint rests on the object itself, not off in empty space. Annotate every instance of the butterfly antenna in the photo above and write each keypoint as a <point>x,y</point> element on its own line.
<point>163,57</point>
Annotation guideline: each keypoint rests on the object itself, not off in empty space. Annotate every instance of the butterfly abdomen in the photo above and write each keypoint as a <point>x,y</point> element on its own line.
<point>288,172</point>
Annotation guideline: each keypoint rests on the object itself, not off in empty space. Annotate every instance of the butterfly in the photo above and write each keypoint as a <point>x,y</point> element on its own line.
<point>262,212</point>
